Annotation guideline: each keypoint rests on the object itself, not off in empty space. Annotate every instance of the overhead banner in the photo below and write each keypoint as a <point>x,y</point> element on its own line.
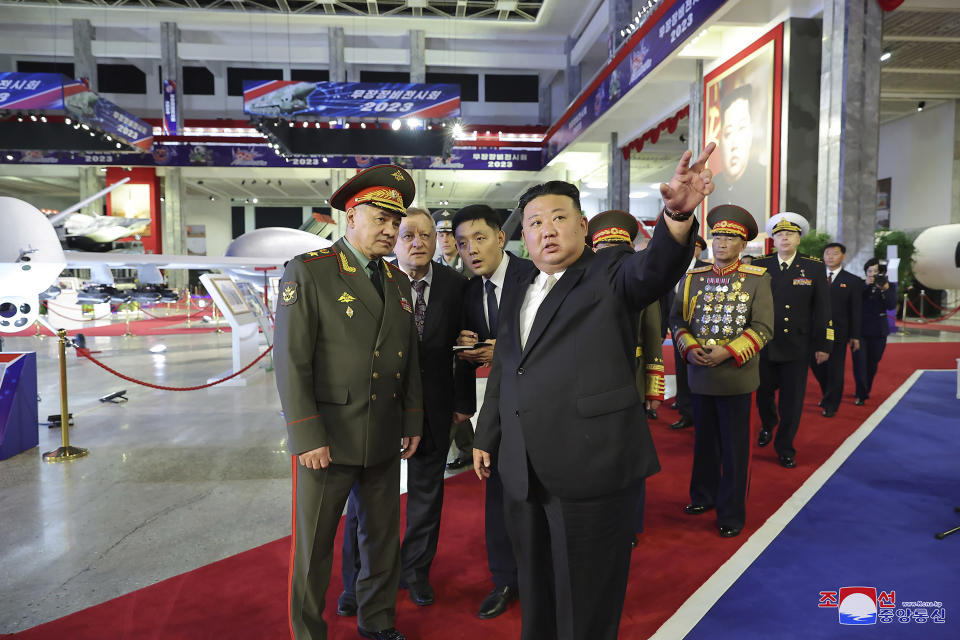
<point>170,109</point>
<point>88,107</point>
<point>286,99</point>
<point>670,27</point>
<point>33,91</point>
<point>198,155</point>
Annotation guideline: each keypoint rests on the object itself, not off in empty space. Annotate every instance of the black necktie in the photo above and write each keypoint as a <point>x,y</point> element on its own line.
<point>783,266</point>
<point>375,277</point>
<point>493,311</point>
<point>829,277</point>
<point>420,306</point>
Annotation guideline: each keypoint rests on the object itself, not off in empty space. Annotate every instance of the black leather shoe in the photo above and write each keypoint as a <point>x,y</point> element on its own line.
<point>652,414</point>
<point>729,532</point>
<point>859,402</point>
<point>386,634</point>
<point>496,603</point>
<point>765,437</point>
<point>820,402</point>
<point>636,541</point>
<point>459,463</point>
<point>697,509</point>
<point>787,462</point>
<point>421,594</point>
<point>673,405</point>
<point>347,605</point>
<point>682,423</point>
<point>828,414</point>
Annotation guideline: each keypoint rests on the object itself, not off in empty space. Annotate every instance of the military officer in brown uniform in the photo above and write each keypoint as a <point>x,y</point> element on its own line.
<point>721,321</point>
<point>349,381</point>
<point>609,229</point>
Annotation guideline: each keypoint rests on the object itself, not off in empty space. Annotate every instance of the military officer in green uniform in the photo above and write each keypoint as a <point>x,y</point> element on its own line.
<point>721,321</point>
<point>608,229</point>
<point>349,381</point>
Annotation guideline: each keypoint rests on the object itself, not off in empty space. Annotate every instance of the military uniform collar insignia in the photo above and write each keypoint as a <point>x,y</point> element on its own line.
<point>727,270</point>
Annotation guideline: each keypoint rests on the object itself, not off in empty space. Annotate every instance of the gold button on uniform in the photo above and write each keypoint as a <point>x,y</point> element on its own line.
<point>373,396</point>
<point>786,306</point>
<point>399,354</point>
<point>394,396</point>
<point>786,319</point>
<point>398,375</point>
<point>376,375</point>
<point>376,354</point>
<point>786,330</point>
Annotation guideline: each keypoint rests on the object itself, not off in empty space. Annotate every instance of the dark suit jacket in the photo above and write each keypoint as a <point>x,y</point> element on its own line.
<point>473,317</point>
<point>876,302</point>
<point>801,305</point>
<point>568,402</point>
<point>846,296</point>
<point>443,391</point>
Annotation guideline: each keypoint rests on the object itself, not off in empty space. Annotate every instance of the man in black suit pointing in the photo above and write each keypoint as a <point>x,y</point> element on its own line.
<point>562,411</point>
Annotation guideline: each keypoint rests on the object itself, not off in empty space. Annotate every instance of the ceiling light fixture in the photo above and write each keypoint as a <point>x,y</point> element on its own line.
<point>396,125</point>
<point>921,105</point>
<point>886,55</point>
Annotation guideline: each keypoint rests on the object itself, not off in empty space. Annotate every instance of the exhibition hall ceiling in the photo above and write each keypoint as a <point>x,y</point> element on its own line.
<point>924,63</point>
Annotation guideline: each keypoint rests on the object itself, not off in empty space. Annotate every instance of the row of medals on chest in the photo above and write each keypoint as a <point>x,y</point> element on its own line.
<point>720,302</point>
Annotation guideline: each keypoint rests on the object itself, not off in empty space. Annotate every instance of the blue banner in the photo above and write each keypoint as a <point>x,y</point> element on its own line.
<point>31,91</point>
<point>675,24</point>
<point>286,99</point>
<point>88,107</point>
<point>256,155</point>
<point>170,109</point>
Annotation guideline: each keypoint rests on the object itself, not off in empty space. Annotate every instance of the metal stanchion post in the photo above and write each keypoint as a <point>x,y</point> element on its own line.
<point>65,452</point>
<point>216,318</point>
<point>128,333</point>
<point>38,334</point>
<point>923,294</point>
<point>189,297</point>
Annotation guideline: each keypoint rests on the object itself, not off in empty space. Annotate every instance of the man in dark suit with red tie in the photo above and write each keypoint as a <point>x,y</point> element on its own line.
<point>562,411</point>
<point>480,240</point>
<point>845,308</point>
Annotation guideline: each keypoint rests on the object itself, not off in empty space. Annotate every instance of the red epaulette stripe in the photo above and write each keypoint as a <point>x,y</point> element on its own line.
<point>303,419</point>
<point>293,549</point>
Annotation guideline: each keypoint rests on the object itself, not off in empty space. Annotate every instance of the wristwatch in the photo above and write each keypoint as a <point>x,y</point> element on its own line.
<point>676,215</point>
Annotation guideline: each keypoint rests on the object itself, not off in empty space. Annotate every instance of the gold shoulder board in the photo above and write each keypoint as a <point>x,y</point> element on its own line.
<point>749,268</point>
<point>701,269</point>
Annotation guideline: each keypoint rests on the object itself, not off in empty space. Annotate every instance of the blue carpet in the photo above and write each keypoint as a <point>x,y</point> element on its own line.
<point>870,525</point>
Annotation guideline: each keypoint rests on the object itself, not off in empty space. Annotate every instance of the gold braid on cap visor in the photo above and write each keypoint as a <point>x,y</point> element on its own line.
<point>611,234</point>
<point>383,196</point>
<point>729,228</point>
<point>786,225</point>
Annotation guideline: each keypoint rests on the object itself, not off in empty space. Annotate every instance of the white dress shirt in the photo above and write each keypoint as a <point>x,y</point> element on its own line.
<point>532,300</point>
<point>832,275</point>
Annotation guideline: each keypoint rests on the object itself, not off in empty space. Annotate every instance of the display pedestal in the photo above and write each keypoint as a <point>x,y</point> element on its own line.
<point>18,403</point>
<point>245,331</point>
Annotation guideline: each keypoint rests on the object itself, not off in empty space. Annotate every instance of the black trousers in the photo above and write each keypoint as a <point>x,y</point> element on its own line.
<point>865,362</point>
<point>830,374</point>
<point>574,560</point>
<point>424,507</point>
<point>500,557</point>
<point>641,506</point>
<point>684,405</point>
<point>782,411</point>
<point>320,496</point>
<point>462,435</point>
<point>721,456</point>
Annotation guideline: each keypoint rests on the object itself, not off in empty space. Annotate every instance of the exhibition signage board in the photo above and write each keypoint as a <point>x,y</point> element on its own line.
<point>669,26</point>
<point>170,109</point>
<point>260,155</point>
<point>288,99</point>
<point>31,91</point>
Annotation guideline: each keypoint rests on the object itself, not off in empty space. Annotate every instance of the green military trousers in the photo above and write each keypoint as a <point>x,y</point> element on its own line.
<point>319,497</point>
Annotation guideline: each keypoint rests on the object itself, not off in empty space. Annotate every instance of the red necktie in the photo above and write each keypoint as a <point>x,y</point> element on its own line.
<point>829,277</point>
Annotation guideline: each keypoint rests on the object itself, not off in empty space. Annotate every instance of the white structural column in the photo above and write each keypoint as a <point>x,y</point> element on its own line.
<point>171,69</point>
<point>618,177</point>
<point>418,53</point>
<point>849,125</point>
<point>621,12</point>
<point>173,225</point>
<point>695,121</point>
<point>84,64</point>
<point>420,184</point>
<point>572,74</point>
<point>338,64</point>
<point>545,98</point>
<point>90,183</point>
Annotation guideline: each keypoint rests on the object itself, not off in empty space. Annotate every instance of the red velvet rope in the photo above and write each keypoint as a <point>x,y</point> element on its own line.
<point>922,321</point>
<point>46,303</point>
<point>86,354</point>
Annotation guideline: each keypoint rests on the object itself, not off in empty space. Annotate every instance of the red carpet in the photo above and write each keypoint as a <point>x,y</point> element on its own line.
<point>244,596</point>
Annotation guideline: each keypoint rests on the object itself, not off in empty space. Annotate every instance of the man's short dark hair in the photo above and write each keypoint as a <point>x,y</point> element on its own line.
<point>552,188</point>
<point>838,245</point>
<point>872,262</point>
<point>743,92</point>
<point>477,212</point>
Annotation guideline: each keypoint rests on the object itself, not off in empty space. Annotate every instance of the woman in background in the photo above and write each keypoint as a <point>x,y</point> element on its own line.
<point>879,295</point>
